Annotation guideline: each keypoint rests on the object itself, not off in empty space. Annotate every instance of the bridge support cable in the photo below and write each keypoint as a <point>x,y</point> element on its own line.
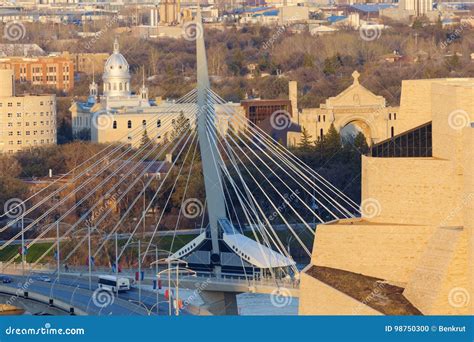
<point>287,155</point>
<point>109,192</point>
<point>264,192</point>
<point>139,151</point>
<point>89,179</point>
<point>158,190</point>
<point>155,230</point>
<point>132,205</point>
<point>115,148</point>
<point>268,146</point>
<point>247,206</point>
<point>174,146</point>
<point>178,220</point>
<point>248,198</point>
<point>252,200</point>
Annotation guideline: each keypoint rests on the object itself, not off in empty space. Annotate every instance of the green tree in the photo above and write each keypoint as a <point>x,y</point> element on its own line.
<point>331,142</point>
<point>360,143</point>
<point>181,125</point>
<point>305,143</point>
<point>145,139</point>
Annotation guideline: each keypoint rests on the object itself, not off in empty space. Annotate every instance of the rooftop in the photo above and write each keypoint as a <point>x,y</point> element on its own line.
<point>374,292</point>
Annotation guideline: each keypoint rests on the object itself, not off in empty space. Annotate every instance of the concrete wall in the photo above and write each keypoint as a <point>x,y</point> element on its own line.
<point>441,284</point>
<point>421,191</point>
<point>358,248</point>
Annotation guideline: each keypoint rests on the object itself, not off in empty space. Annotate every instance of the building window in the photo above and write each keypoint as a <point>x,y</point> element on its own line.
<point>413,143</point>
<point>144,123</point>
<point>321,133</point>
<point>392,132</point>
<point>129,124</point>
<point>158,123</point>
<point>394,116</point>
<point>114,125</point>
<point>390,116</point>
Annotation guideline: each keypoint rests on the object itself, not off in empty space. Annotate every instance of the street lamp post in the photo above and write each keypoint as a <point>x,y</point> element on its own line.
<point>57,248</point>
<point>116,260</point>
<point>176,306</point>
<point>178,262</point>
<point>139,272</point>
<point>89,252</point>
<point>22,245</point>
<point>157,283</point>
<point>156,262</point>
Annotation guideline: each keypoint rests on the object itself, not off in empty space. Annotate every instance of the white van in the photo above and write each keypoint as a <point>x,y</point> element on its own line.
<point>112,283</point>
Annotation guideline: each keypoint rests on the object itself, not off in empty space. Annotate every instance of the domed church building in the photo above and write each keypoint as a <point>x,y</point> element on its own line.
<point>120,115</point>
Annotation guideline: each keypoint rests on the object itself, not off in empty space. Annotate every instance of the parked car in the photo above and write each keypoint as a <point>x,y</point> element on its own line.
<point>42,277</point>
<point>5,279</point>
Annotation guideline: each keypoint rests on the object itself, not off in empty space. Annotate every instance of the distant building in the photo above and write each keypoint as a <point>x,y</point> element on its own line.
<point>120,115</point>
<point>52,71</point>
<point>407,9</point>
<point>418,7</point>
<point>87,63</point>
<point>21,50</point>
<point>169,12</point>
<point>258,111</point>
<point>25,120</point>
<point>276,117</point>
<point>356,107</point>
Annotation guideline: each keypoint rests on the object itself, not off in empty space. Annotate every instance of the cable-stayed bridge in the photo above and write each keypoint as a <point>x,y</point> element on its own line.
<point>257,199</point>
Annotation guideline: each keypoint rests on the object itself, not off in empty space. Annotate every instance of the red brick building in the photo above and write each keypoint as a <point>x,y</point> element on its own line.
<point>52,71</point>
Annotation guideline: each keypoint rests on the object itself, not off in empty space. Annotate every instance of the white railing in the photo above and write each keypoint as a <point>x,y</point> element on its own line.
<point>150,273</point>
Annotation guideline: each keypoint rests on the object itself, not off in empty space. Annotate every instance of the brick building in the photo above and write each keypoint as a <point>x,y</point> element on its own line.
<point>52,71</point>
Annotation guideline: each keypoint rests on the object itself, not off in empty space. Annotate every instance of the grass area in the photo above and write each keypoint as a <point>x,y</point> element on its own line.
<point>37,250</point>
<point>34,252</point>
<point>164,242</point>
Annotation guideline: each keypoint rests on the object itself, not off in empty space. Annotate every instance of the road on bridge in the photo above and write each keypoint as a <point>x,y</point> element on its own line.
<point>75,291</point>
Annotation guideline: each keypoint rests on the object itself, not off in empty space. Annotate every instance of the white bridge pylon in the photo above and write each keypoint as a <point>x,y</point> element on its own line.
<point>262,202</point>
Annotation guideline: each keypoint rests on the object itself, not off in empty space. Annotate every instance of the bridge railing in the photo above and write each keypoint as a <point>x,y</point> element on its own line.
<point>150,273</point>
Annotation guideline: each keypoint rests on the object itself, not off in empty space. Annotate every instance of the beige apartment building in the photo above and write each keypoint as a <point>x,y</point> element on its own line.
<point>413,247</point>
<point>25,120</point>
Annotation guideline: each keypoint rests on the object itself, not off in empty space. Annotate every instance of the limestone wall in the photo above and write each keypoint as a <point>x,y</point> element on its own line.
<point>441,283</point>
<point>389,252</point>
<point>411,190</point>
<point>450,115</point>
<point>317,298</point>
<point>415,102</point>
